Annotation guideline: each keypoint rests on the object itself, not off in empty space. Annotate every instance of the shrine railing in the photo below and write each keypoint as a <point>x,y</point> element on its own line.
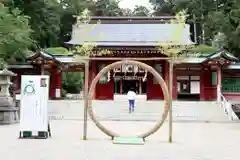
<point>227,107</point>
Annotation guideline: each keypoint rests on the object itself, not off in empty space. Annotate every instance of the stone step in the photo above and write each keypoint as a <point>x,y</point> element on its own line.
<point>144,110</point>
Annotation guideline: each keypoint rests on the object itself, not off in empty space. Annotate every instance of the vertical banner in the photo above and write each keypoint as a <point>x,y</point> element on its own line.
<point>34,103</point>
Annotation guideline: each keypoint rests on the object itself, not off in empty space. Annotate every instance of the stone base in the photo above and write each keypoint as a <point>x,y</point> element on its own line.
<point>6,102</point>
<point>9,115</point>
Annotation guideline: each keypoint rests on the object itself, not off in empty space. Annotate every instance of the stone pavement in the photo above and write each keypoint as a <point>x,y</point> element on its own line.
<point>192,141</point>
<point>145,110</point>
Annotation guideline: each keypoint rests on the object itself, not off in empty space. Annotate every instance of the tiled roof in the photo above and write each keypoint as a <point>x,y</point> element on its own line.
<point>128,34</point>
<point>221,54</point>
<point>225,54</point>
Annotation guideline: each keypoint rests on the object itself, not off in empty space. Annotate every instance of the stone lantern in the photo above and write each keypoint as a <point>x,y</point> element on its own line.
<point>8,111</point>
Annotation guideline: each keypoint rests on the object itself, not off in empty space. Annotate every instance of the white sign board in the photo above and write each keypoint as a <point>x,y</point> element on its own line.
<point>34,103</point>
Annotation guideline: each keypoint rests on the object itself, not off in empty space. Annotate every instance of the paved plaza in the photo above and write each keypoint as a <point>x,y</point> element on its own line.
<point>207,135</point>
<point>192,141</point>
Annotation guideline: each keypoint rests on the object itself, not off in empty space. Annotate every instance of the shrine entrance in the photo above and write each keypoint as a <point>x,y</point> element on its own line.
<point>123,85</point>
<point>130,84</point>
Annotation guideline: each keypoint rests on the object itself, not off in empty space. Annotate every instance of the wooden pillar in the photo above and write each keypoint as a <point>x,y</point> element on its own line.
<point>86,76</point>
<point>83,90</point>
<point>166,72</point>
<point>170,103</point>
<point>219,83</point>
<point>174,80</point>
<point>92,72</point>
<point>174,89</point>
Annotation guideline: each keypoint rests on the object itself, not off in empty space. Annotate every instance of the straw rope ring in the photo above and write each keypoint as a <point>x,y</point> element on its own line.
<point>159,79</point>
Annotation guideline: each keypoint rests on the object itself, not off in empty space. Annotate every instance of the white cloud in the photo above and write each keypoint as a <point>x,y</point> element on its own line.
<point>132,3</point>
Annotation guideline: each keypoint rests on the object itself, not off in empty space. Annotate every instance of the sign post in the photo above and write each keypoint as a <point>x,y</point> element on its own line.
<point>34,106</point>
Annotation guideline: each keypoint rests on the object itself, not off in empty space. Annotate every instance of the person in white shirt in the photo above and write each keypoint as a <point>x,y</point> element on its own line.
<point>131,99</point>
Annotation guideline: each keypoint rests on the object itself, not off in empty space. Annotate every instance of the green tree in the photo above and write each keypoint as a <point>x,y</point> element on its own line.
<point>107,8</point>
<point>141,11</point>
<point>71,9</point>
<point>76,7</point>
<point>45,20</point>
<point>163,7</point>
<point>213,17</point>
<point>14,34</point>
<point>127,12</point>
<point>225,20</point>
<point>72,82</point>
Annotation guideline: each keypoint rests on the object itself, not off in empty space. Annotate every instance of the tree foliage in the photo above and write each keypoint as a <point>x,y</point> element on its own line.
<point>72,82</point>
<point>14,34</point>
<point>51,20</point>
<point>44,20</point>
<point>141,11</point>
<point>214,18</point>
<point>107,8</point>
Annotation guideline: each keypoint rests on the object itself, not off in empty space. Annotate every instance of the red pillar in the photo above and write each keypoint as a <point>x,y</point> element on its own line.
<point>219,85</point>
<point>202,84</point>
<point>55,84</point>
<point>52,84</point>
<point>58,89</point>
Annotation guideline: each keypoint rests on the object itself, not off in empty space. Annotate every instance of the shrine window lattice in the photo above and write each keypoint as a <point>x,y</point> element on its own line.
<point>231,85</point>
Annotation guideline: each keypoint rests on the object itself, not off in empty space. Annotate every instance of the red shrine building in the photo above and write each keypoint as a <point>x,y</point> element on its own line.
<point>197,78</point>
